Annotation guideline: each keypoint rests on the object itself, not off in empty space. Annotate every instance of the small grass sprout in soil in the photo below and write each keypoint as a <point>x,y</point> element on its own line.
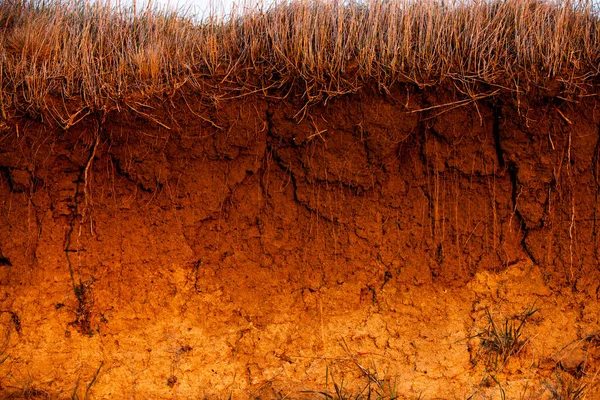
<point>566,388</point>
<point>499,341</point>
<point>375,388</point>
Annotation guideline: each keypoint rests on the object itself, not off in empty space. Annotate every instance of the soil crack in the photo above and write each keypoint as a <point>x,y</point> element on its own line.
<point>596,172</point>
<point>287,169</point>
<point>81,289</point>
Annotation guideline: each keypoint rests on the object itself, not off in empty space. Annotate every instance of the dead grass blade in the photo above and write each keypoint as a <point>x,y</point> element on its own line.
<point>97,57</point>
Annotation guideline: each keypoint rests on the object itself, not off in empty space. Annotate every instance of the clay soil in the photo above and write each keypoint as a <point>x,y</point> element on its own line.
<point>242,250</point>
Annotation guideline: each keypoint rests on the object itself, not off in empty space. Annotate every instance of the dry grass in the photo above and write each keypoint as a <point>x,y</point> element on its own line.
<point>67,59</point>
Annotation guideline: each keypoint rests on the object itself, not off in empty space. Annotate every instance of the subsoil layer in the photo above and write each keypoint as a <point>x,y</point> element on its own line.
<point>244,249</point>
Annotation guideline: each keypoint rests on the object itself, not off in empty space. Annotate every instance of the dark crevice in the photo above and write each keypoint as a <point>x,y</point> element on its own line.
<point>16,185</point>
<point>364,135</point>
<point>422,134</point>
<point>547,209</point>
<point>356,189</point>
<point>476,176</point>
<point>596,172</point>
<point>5,174</point>
<point>121,171</point>
<point>436,251</point>
<point>81,290</point>
<point>281,163</point>
<point>39,212</point>
<point>497,116</point>
<point>439,136</point>
<point>373,157</point>
<point>4,261</point>
<point>81,316</point>
<point>15,320</point>
<point>286,167</point>
<point>513,172</point>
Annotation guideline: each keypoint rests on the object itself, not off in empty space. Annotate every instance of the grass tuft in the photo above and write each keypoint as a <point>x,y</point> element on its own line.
<point>375,387</point>
<point>501,341</point>
<point>566,388</point>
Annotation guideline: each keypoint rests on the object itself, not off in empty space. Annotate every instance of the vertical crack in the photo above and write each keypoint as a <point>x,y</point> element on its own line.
<point>83,312</point>
<point>427,191</point>
<point>497,116</point>
<point>513,173</point>
<point>431,190</point>
<point>283,165</point>
<point>81,289</point>
<point>596,172</point>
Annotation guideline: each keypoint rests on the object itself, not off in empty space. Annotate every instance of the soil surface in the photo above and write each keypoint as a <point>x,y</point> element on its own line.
<point>256,249</point>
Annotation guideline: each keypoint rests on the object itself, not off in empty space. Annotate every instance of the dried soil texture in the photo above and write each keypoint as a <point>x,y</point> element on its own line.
<point>380,243</point>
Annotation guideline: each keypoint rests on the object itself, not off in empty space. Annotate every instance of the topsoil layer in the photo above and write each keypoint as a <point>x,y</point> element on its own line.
<point>244,249</point>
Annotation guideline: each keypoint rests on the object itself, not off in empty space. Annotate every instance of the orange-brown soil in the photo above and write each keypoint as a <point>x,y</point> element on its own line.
<point>243,253</point>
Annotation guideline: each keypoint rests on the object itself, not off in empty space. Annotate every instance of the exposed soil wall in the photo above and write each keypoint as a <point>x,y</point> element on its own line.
<point>245,248</point>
